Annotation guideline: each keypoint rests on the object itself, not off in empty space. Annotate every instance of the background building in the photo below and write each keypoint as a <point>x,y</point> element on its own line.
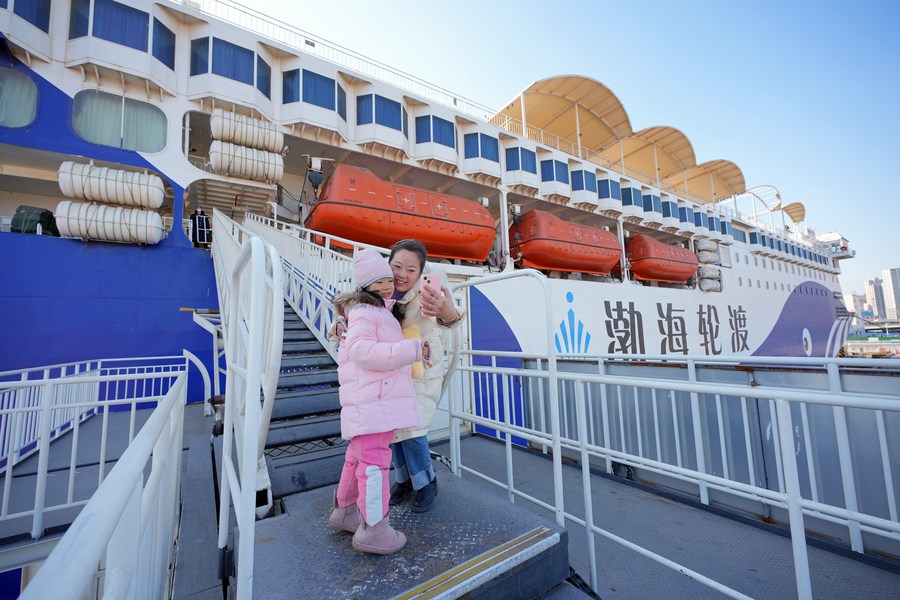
<point>855,303</point>
<point>875,297</point>
<point>891,287</point>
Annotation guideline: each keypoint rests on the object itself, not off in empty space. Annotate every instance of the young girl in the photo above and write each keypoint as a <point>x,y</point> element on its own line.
<point>377,397</point>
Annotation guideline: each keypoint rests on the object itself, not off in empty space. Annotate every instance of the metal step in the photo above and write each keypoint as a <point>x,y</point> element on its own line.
<point>309,470</point>
<point>300,431</point>
<point>300,346</point>
<point>304,335</point>
<point>290,405</point>
<point>306,361</point>
<point>302,379</point>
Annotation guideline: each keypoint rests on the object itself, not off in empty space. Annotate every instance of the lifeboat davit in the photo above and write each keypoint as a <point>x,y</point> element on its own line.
<point>545,242</point>
<point>652,260</point>
<point>355,204</point>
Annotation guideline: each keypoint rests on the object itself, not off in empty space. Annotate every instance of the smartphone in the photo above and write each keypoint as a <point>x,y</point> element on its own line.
<point>433,281</point>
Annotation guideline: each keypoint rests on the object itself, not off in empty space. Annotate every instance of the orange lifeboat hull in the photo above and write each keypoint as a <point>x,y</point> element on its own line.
<point>355,204</point>
<point>545,242</point>
<point>652,260</point>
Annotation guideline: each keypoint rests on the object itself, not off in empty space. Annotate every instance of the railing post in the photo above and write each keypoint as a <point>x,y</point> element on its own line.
<point>698,432</point>
<point>37,528</point>
<point>793,496</point>
<point>581,415</point>
<point>848,480</point>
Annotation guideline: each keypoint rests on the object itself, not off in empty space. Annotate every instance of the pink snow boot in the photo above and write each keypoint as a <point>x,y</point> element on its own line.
<point>344,517</point>
<point>380,538</point>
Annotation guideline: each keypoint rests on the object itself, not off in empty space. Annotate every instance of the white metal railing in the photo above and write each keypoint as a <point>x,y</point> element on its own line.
<point>40,405</point>
<point>604,415</point>
<point>248,274</point>
<point>128,527</point>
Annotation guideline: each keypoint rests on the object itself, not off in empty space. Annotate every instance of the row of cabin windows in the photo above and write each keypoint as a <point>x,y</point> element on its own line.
<point>98,117</point>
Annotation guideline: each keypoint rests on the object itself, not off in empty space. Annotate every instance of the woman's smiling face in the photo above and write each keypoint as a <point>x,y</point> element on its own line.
<point>405,266</point>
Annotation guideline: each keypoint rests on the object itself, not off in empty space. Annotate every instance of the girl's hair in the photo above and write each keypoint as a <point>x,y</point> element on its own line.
<point>414,246</point>
<point>344,302</point>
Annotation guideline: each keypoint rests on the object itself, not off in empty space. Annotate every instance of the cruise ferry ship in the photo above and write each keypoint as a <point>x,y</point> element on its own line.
<point>119,120</point>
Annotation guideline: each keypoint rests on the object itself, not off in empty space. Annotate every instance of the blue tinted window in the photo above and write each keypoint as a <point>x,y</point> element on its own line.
<point>666,209</point>
<point>546,170</point>
<point>37,12</point>
<point>231,61</point>
<point>512,159</point>
<point>444,132</point>
<point>631,197</point>
<point>79,13</point>
<point>686,214</point>
<point>364,110</point>
<point>470,145</point>
<point>404,122</point>
<point>341,102</point>
<point>577,180</point>
<point>387,113</point>
<point>263,77</point>
<point>163,44</point>
<point>590,181</point>
<point>490,148</point>
<point>319,90</point>
<point>423,129</point>
<point>200,56</point>
<point>562,172</point>
<point>121,24</point>
<point>290,86</point>
<point>529,160</point>
<point>739,235</point>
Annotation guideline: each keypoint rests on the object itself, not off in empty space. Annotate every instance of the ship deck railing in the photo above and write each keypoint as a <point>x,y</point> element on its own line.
<point>593,410</point>
<point>63,429</point>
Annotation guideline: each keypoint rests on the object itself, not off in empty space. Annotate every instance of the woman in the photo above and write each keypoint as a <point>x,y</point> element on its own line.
<point>419,309</point>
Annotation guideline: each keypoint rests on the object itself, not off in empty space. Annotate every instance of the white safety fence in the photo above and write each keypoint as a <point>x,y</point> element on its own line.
<point>606,420</point>
<point>121,542</point>
<point>249,279</point>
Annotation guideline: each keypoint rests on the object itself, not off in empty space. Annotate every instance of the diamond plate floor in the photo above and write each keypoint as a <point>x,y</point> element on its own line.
<point>299,556</point>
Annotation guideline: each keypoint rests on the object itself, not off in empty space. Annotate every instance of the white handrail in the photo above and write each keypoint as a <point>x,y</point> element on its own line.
<point>249,275</point>
<point>117,520</point>
<point>593,436</point>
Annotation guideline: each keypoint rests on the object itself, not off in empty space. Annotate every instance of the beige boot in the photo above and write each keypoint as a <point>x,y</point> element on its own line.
<point>344,517</point>
<point>380,538</point>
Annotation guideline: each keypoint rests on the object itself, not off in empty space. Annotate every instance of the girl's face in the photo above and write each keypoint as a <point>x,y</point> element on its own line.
<point>384,287</point>
<point>405,266</point>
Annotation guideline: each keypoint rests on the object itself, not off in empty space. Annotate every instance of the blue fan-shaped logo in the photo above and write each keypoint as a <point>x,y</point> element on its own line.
<point>572,337</point>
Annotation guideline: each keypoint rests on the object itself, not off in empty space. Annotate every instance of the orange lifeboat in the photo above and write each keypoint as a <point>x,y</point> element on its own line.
<point>355,204</point>
<point>652,260</point>
<point>545,242</point>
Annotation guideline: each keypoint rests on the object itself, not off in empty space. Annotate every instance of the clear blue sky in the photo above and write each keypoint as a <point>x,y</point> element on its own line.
<point>802,95</point>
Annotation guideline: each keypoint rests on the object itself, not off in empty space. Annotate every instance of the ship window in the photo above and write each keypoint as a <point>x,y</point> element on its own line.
<point>233,62</point>
<point>119,122</point>
<point>470,145</point>
<point>387,113</point>
<point>444,132</point>
<point>363,109</point>
<point>290,86</point>
<point>529,160</point>
<point>562,171</point>
<point>740,281</point>
<point>263,77</point>
<point>163,44</point>
<point>18,98</point>
<point>79,18</point>
<point>610,189</point>
<point>404,122</point>
<point>490,148</point>
<point>738,235</point>
<point>341,102</point>
<point>423,129</point>
<point>318,90</point>
<point>121,24</point>
<point>200,56</point>
<point>755,262</point>
<point>36,12</point>
<point>512,159</point>
<point>577,180</point>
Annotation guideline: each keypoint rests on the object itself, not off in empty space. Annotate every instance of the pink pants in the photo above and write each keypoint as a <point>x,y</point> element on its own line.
<point>364,479</point>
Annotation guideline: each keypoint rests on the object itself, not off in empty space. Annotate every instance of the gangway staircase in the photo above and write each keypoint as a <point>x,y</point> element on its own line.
<point>304,449</point>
